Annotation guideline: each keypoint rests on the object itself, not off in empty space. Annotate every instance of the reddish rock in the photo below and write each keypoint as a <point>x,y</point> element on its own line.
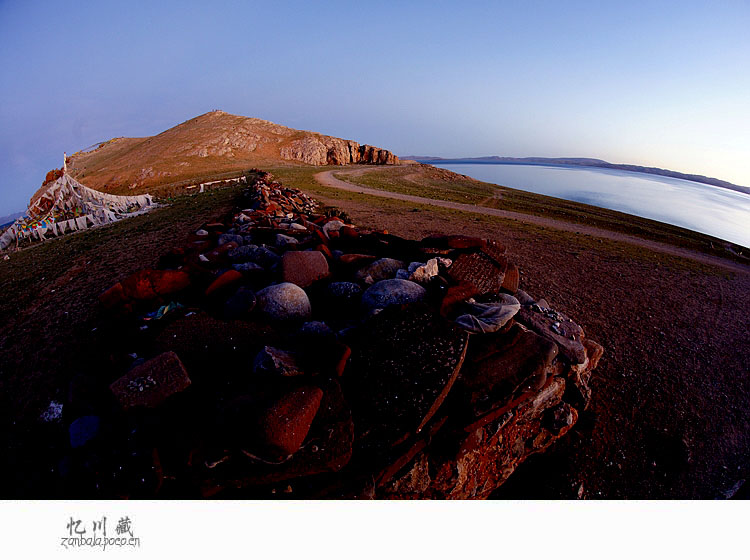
<point>349,232</point>
<point>407,453</point>
<point>303,268</point>
<point>356,259</point>
<point>325,250</point>
<point>220,253</point>
<point>455,296</point>
<point>580,374</point>
<point>223,282</point>
<point>152,382</point>
<point>556,327</point>
<point>165,282</point>
<point>499,367</point>
<point>145,285</point>
<point>495,251</point>
<point>561,417</point>
<point>512,279</point>
<point>342,358</point>
<point>320,236</point>
<point>138,286</point>
<point>284,424</point>
<point>430,252</point>
<point>480,270</point>
<point>594,351</point>
<point>113,296</point>
<point>481,460</point>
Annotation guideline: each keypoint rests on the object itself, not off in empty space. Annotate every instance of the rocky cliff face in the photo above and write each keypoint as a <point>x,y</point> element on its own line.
<point>326,150</point>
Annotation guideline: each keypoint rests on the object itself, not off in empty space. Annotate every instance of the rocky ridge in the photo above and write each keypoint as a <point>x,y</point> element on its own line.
<point>213,143</point>
<point>285,351</point>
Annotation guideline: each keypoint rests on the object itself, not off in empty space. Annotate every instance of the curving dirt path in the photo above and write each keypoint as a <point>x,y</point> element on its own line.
<point>327,178</point>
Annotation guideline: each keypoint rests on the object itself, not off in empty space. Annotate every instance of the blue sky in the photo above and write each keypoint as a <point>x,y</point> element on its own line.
<point>652,83</point>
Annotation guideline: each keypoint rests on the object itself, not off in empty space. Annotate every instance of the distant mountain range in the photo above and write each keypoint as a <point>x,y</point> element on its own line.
<point>585,162</point>
<point>10,218</point>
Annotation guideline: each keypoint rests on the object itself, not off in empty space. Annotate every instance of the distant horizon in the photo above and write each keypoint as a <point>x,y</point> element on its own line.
<point>593,159</point>
<point>617,82</point>
<point>7,213</point>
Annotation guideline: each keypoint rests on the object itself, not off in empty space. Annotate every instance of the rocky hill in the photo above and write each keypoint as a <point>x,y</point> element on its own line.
<point>211,144</point>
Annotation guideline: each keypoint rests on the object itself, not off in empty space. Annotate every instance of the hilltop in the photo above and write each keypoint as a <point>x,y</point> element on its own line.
<point>207,146</point>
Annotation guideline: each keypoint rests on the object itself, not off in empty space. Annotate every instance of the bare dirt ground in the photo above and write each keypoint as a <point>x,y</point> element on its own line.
<point>670,415</point>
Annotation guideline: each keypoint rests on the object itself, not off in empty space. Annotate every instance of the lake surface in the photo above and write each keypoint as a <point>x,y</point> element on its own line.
<point>715,211</point>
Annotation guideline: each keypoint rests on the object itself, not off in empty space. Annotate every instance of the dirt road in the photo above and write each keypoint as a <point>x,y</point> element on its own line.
<point>328,179</point>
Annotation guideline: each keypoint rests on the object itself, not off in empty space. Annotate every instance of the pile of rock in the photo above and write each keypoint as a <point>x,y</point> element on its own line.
<point>314,358</point>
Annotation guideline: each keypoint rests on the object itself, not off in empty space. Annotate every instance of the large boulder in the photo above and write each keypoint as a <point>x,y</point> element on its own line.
<point>303,268</point>
<point>392,292</point>
<point>284,302</point>
<point>381,269</point>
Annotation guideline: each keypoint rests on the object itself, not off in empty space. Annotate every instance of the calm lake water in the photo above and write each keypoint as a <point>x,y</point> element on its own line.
<point>715,211</point>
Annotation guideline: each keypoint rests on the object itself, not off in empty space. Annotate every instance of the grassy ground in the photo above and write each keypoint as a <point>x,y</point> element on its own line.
<point>29,271</point>
<point>302,178</point>
<point>430,182</point>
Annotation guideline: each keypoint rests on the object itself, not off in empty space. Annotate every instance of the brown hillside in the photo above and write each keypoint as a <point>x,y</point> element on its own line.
<point>208,145</point>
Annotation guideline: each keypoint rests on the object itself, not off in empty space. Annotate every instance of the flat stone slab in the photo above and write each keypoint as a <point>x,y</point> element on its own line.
<point>500,365</point>
<point>152,382</point>
<point>556,327</point>
<point>486,273</point>
<point>405,367</point>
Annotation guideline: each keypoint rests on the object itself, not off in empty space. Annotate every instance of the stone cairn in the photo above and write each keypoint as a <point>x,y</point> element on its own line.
<point>285,352</point>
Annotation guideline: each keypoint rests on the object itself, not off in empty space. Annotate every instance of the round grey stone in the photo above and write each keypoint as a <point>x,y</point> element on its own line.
<point>347,291</point>
<point>392,292</point>
<point>284,240</point>
<point>259,255</point>
<point>247,267</point>
<point>228,237</point>
<point>381,269</point>
<point>284,302</point>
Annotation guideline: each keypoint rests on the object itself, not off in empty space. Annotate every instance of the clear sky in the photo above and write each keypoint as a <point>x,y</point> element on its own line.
<point>652,83</point>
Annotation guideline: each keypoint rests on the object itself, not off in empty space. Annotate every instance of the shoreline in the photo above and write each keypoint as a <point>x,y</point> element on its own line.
<point>539,187</point>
